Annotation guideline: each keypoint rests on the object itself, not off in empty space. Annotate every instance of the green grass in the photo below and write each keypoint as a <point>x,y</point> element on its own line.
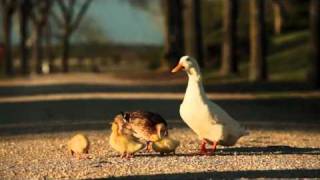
<point>291,63</point>
<point>288,60</point>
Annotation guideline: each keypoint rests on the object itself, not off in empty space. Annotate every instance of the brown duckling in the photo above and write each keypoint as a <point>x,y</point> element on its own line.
<point>122,140</point>
<point>146,126</point>
<point>78,145</point>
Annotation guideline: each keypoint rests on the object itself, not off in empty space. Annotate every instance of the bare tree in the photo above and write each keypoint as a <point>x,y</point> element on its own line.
<point>143,4</point>
<point>315,42</point>
<point>278,14</point>
<point>174,36</point>
<point>258,64</point>
<point>229,63</point>
<point>24,12</point>
<point>49,49</point>
<point>40,14</point>
<point>193,29</point>
<point>70,22</point>
<point>8,7</point>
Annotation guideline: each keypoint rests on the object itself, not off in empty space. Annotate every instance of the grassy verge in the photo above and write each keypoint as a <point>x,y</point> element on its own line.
<point>288,60</point>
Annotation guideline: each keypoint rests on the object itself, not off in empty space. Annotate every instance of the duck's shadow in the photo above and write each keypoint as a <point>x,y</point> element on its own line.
<point>267,150</point>
<point>275,150</point>
<point>248,151</point>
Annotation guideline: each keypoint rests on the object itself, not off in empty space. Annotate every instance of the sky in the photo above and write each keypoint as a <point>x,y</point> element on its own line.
<point>118,21</point>
<point>125,24</point>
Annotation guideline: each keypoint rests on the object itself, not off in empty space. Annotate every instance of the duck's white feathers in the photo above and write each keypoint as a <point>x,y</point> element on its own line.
<point>208,120</point>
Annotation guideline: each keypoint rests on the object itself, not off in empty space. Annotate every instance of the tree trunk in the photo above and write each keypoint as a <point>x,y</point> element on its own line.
<point>277,15</point>
<point>173,44</point>
<point>315,42</point>
<point>258,64</point>
<point>193,29</point>
<point>65,52</point>
<point>7,27</point>
<point>24,21</point>
<point>229,61</point>
<point>39,48</point>
<point>49,52</point>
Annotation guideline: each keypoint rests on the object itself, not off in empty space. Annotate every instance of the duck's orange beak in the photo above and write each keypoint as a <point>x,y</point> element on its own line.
<point>177,68</point>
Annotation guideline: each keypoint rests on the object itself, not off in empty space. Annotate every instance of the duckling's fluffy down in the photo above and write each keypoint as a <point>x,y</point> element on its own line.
<point>78,144</point>
<point>165,145</point>
<point>124,143</point>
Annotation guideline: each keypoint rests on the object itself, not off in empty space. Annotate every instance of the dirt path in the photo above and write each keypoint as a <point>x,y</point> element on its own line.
<point>262,154</point>
<point>39,114</point>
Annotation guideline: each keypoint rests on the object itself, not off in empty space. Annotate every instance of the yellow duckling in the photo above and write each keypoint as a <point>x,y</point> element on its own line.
<point>78,144</point>
<point>122,142</point>
<point>165,145</point>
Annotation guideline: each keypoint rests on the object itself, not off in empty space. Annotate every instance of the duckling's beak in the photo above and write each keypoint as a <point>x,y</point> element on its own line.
<point>177,68</point>
<point>162,133</point>
<point>166,133</point>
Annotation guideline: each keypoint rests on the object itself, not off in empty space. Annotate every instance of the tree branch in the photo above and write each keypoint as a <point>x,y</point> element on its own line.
<point>4,3</point>
<point>56,18</point>
<point>40,11</point>
<point>62,6</point>
<point>80,15</point>
<point>45,11</point>
<point>71,9</point>
<point>11,6</point>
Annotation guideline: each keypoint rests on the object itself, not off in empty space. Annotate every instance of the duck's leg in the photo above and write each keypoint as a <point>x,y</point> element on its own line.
<point>214,147</point>
<point>129,155</point>
<point>203,149</point>
<point>78,156</point>
<point>149,146</point>
<point>123,155</point>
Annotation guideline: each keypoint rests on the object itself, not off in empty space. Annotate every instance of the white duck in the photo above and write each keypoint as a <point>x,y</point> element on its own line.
<point>209,121</point>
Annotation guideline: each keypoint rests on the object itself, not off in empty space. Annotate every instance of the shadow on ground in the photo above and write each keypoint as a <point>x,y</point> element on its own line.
<point>247,151</point>
<point>240,87</point>
<point>94,114</point>
<point>267,150</point>
<point>286,173</point>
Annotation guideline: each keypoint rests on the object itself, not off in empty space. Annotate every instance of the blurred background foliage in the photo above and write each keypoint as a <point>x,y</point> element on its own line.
<point>138,45</point>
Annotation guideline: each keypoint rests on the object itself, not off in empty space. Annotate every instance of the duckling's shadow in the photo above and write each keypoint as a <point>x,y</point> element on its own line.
<point>155,155</point>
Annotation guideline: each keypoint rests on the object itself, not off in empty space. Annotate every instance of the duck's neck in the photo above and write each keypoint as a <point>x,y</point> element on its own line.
<point>195,90</point>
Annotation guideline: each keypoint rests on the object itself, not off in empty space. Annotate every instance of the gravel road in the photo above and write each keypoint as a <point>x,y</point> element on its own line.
<point>262,154</point>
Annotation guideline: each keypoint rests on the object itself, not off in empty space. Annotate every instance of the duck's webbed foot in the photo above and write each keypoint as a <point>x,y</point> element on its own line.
<point>123,155</point>
<point>128,156</point>
<point>203,149</point>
